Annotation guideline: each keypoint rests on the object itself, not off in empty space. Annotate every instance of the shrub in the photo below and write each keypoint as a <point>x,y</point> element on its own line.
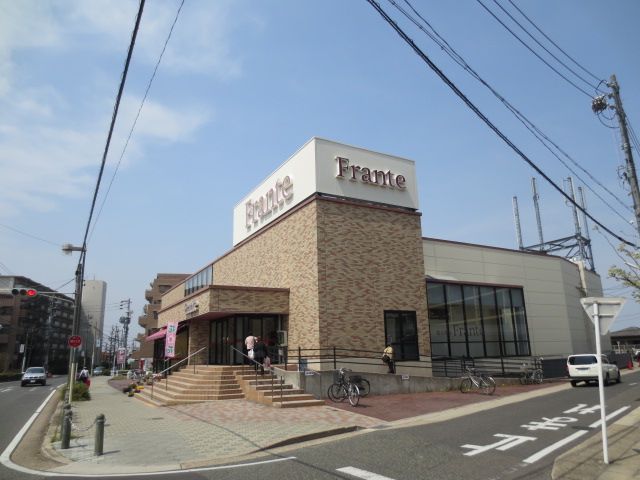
<point>80,392</point>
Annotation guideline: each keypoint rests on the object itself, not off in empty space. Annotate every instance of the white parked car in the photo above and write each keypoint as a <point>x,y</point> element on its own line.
<point>584,368</point>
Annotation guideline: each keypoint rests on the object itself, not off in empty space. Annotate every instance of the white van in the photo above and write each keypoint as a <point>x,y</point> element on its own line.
<point>584,368</point>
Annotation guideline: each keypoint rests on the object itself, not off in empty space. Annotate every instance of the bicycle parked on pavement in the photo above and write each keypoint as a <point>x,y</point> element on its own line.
<point>344,388</point>
<point>477,381</point>
<point>531,375</point>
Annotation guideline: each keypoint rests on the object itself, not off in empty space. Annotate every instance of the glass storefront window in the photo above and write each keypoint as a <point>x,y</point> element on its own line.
<point>401,332</point>
<point>477,320</point>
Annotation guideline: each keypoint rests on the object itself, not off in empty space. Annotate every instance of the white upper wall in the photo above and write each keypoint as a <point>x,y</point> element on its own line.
<point>552,289</point>
<point>331,168</point>
<point>94,294</point>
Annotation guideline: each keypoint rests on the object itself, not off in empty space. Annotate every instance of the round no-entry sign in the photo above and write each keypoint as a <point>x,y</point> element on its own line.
<point>75,341</point>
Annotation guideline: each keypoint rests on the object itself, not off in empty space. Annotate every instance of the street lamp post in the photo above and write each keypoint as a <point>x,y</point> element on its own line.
<point>67,249</point>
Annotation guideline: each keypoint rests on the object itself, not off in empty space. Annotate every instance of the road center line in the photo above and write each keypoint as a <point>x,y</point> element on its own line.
<point>611,415</point>
<point>546,451</point>
<point>356,472</point>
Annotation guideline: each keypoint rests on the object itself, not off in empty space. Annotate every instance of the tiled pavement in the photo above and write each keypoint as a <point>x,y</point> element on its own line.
<point>140,437</point>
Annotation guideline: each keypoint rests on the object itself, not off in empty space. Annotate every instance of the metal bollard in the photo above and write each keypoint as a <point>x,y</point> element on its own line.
<point>99,443</point>
<point>65,430</point>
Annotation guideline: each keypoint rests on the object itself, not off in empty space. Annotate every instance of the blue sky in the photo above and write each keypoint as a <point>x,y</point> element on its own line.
<point>244,84</point>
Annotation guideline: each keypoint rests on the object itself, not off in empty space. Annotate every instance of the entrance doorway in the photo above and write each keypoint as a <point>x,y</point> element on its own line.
<point>231,331</point>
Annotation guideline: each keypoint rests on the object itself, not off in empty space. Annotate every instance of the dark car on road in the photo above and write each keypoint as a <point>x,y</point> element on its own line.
<point>34,375</point>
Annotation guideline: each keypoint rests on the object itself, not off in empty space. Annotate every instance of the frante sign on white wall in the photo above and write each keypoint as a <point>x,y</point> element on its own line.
<point>330,168</point>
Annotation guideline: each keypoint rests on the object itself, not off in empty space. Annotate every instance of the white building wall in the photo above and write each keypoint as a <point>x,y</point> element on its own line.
<point>552,289</point>
<point>94,294</point>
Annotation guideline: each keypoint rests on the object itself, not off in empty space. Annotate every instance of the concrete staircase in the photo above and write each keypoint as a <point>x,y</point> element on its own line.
<point>222,382</point>
<point>209,382</point>
<point>270,390</point>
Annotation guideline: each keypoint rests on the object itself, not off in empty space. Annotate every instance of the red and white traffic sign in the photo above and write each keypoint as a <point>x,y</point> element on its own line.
<point>75,341</point>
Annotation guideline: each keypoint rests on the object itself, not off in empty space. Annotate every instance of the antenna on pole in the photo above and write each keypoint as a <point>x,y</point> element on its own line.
<point>576,246</point>
<point>516,218</point>
<point>536,206</point>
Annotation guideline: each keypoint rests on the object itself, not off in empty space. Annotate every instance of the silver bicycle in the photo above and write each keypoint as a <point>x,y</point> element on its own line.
<point>477,381</point>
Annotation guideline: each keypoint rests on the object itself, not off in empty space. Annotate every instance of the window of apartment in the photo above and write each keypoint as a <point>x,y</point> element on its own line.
<point>477,320</point>
<point>401,332</point>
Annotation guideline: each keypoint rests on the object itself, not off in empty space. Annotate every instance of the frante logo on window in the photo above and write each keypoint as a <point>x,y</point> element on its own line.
<point>366,175</point>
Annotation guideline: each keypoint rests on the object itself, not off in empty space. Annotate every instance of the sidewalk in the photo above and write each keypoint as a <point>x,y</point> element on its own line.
<point>142,438</point>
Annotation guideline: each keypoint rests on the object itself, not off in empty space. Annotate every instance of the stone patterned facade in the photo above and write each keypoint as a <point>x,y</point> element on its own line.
<point>283,255</point>
<point>345,263</point>
<point>370,260</point>
<point>334,266</point>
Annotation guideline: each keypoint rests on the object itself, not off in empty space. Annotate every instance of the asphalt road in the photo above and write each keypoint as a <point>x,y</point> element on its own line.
<point>17,405</point>
<point>518,441</point>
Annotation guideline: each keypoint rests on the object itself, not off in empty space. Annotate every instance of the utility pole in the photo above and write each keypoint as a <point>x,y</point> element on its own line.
<point>598,105</point>
<point>125,320</point>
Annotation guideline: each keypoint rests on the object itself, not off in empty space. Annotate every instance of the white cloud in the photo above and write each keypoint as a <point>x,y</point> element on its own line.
<point>161,122</point>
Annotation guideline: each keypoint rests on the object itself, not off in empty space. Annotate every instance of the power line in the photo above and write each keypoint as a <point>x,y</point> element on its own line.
<point>533,129</point>
<point>133,126</point>
<point>488,122</point>
<point>545,48</point>
<point>533,51</point>
<point>555,44</point>
<point>29,235</point>
<point>116,107</point>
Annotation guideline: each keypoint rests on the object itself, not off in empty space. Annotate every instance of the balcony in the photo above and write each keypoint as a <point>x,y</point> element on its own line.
<point>148,295</point>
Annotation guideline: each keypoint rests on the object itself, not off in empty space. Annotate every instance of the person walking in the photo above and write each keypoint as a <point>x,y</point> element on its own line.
<point>84,376</point>
<point>250,343</point>
<point>260,353</point>
<point>387,357</point>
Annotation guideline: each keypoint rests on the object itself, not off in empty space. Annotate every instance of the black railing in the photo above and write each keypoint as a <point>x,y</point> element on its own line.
<point>440,366</point>
<point>257,365</point>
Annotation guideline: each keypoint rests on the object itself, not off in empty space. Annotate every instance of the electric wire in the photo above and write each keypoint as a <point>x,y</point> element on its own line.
<point>135,121</point>
<point>6,269</point>
<point>533,129</point>
<point>29,235</point>
<point>116,107</point>
<point>488,122</point>
<point>595,87</point>
<point>533,51</point>
<point>554,43</point>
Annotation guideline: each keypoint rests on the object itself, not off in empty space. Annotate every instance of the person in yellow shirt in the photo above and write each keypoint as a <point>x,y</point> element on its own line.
<point>387,357</point>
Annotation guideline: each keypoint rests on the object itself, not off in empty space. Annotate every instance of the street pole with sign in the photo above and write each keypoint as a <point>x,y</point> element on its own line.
<point>602,312</point>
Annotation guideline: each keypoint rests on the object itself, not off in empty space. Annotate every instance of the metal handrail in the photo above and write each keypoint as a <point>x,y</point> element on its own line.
<point>234,349</point>
<point>166,386</point>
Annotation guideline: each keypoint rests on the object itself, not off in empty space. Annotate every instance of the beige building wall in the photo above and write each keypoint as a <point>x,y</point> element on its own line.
<point>283,255</point>
<point>370,260</point>
<point>552,287</point>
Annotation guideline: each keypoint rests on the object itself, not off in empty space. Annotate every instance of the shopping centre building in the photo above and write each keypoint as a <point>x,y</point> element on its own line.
<point>329,252</point>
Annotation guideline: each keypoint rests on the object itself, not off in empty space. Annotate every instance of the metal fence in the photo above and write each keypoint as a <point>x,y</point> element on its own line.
<point>552,366</point>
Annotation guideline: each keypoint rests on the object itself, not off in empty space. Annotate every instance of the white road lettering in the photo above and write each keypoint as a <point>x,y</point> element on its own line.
<point>583,411</point>
<point>611,415</point>
<point>507,442</point>
<point>546,451</point>
<point>550,423</point>
<point>356,472</point>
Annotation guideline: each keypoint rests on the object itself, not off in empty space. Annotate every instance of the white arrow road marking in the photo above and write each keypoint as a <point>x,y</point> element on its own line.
<point>509,441</point>
<point>6,390</point>
<point>546,451</point>
<point>356,472</point>
<point>632,384</point>
<point>611,415</point>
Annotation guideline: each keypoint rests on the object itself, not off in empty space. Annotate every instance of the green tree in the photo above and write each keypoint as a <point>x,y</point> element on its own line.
<point>629,277</point>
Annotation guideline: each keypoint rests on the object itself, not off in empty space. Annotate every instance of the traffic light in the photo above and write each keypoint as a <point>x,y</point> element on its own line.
<point>24,292</point>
